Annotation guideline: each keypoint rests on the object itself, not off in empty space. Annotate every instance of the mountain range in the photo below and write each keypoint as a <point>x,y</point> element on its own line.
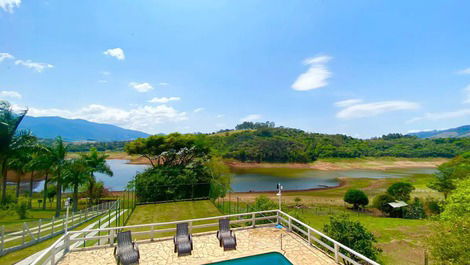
<point>462,131</point>
<point>77,129</point>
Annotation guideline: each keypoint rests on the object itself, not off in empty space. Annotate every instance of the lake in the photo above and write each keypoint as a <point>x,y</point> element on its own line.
<point>263,179</point>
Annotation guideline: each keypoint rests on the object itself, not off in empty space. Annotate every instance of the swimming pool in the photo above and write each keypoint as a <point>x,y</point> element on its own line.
<point>272,258</point>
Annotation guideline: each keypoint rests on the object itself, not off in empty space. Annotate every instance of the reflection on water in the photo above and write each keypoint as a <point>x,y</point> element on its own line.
<point>263,179</point>
<point>122,174</point>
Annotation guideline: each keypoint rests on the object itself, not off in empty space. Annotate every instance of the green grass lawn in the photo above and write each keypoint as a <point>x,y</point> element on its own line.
<point>173,211</point>
<point>402,240</point>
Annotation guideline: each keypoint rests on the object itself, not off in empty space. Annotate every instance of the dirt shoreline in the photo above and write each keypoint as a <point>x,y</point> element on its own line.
<point>345,165</point>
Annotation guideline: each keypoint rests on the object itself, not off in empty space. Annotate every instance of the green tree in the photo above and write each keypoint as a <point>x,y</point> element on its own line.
<point>96,162</point>
<point>352,234</point>
<point>381,202</point>
<point>76,173</point>
<point>58,154</point>
<point>356,197</point>
<point>43,161</point>
<point>456,169</point>
<point>401,191</point>
<point>449,242</point>
<point>9,143</point>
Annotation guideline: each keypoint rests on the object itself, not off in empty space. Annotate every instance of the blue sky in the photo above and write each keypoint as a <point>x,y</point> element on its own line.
<point>362,68</point>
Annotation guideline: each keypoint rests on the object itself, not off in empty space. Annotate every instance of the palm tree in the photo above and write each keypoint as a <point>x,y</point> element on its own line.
<point>58,153</point>
<point>9,122</point>
<point>96,161</point>
<point>41,162</point>
<point>76,174</point>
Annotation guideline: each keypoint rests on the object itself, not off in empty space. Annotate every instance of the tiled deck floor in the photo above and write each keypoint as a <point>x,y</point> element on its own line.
<point>207,250</point>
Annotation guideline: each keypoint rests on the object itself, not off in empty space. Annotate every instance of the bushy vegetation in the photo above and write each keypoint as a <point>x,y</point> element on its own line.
<point>182,168</point>
<point>267,144</point>
<point>356,197</point>
<point>381,202</point>
<point>449,243</point>
<point>400,191</point>
<point>450,172</point>
<point>352,234</point>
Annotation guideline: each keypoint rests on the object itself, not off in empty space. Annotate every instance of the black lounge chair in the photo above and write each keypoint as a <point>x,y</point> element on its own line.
<point>126,252</point>
<point>226,236</point>
<point>183,240</point>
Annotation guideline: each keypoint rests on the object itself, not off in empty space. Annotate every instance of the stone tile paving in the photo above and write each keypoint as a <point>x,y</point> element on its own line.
<point>206,250</point>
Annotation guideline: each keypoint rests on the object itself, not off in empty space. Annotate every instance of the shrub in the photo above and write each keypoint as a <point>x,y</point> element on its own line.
<point>356,197</point>
<point>297,201</point>
<point>415,210</point>
<point>401,191</point>
<point>22,209</point>
<point>381,203</point>
<point>352,234</point>
<point>263,203</point>
<point>433,206</point>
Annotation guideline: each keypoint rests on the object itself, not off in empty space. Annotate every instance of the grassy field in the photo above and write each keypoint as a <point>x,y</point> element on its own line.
<point>166,212</point>
<point>402,240</point>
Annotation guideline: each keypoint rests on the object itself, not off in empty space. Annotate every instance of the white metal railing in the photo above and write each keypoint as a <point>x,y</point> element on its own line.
<point>334,249</point>
<point>314,238</point>
<point>44,229</point>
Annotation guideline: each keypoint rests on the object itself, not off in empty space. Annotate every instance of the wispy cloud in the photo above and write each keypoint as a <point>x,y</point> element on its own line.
<point>374,109</point>
<point>141,87</point>
<point>164,99</point>
<point>38,67</point>
<point>220,116</point>
<point>117,53</point>
<point>316,76</point>
<point>9,5</point>
<point>145,118</point>
<point>163,84</point>
<point>464,71</point>
<point>466,92</point>
<point>251,117</point>
<point>10,94</point>
<point>348,102</point>
<point>4,56</point>
<point>442,115</point>
<point>198,110</point>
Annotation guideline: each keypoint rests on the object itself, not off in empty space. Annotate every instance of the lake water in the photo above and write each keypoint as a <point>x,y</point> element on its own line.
<point>262,179</point>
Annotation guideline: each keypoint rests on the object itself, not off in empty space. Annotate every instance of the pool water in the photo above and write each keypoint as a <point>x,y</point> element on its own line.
<point>273,258</point>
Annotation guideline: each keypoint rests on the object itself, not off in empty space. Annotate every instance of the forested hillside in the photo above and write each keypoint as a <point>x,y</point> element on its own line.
<point>293,145</point>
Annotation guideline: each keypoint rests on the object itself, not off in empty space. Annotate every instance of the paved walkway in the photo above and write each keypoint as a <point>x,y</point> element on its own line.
<point>206,250</point>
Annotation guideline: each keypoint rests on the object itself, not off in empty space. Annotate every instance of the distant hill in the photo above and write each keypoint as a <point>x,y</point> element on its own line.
<point>462,131</point>
<point>77,130</point>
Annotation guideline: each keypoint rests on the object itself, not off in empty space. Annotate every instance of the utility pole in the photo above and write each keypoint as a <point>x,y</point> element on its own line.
<point>279,193</point>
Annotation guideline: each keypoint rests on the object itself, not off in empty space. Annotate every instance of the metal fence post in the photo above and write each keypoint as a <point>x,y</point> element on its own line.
<point>52,229</point>
<point>22,234</point>
<point>3,239</point>
<point>336,253</point>
<point>39,229</point>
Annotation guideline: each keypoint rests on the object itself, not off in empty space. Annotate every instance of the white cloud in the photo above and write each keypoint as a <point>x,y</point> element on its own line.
<point>9,94</point>
<point>251,117</point>
<point>442,115</point>
<point>9,5</point>
<point>163,84</point>
<point>141,87</point>
<point>464,71</point>
<point>347,102</point>
<point>374,108</point>
<point>4,56</point>
<point>220,116</point>
<point>466,91</point>
<point>145,118</point>
<point>316,76</point>
<point>164,99</point>
<point>106,73</point>
<point>198,110</point>
<point>38,67</point>
<point>117,53</point>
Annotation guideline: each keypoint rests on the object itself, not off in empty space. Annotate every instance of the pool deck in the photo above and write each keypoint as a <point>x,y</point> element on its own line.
<point>206,250</point>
